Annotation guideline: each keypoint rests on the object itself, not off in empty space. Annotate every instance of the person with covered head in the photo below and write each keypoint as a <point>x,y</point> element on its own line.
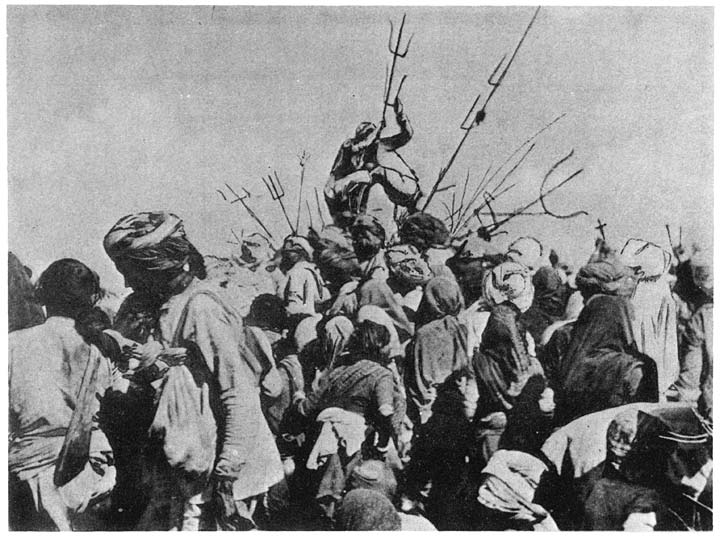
<point>548,307</point>
<point>408,274</point>
<point>366,160</point>
<point>431,238</point>
<point>368,239</point>
<point>439,347</point>
<point>527,251</point>
<point>657,467</point>
<point>214,398</point>
<point>439,455</point>
<point>654,322</point>
<point>503,362</point>
<point>304,290</point>
<point>694,382</point>
<point>353,410</point>
<point>602,367</point>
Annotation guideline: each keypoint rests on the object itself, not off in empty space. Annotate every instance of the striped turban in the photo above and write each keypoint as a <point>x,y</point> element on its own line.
<point>508,282</point>
<point>153,241</point>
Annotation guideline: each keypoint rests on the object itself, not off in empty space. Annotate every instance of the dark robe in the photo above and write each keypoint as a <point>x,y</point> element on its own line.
<point>603,368</point>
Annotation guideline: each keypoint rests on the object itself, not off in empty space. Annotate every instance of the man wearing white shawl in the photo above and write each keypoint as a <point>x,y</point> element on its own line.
<point>654,323</point>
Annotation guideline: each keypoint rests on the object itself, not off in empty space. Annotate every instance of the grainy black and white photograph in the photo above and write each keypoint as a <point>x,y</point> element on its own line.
<point>360,268</point>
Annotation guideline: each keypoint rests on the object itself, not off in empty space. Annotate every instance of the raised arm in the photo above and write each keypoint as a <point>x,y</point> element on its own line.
<point>392,143</point>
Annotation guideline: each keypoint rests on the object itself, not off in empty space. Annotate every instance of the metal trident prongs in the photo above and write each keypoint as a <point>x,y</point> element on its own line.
<point>494,80</point>
<point>277,193</point>
<point>541,198</point>
<point>242,199</point>
<point>542,188</point>
<point>396,52</point>
<point>302,158</point>
<point>489,198</point>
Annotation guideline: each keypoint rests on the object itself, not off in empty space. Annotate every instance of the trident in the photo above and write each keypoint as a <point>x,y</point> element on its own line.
<point>303,158</point>
<point>277,193</point>
<point>494,81</point>
<point>396,53</point>
<point>242,199</point>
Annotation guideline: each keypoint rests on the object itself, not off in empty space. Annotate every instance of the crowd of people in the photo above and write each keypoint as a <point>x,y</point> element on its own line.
<point>404,382</point>
<point>396,378</point>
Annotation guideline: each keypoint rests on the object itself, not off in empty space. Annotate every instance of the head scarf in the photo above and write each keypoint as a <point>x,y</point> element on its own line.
<point>600,366</point>
<point>621,434</point>
<point>655,323</point>
<point>364,129</point>
<point>377,293</point>
<point>527,251</point>
<point>442,297</point>
<point>373,475</point>
<point>305,332</point>
<point>702,273</point>
<point>366,510</point>
<point>295,243</point>
<point>423,231</point>
<point>336,334</point>
<point>508,282</point>
<point>550,293</point>
<point>154,241</point>
<point>469,265</point>
<point>378,316</point>
<point>604,323</point>
<point>609,277</point>
<point>407,269</point>
<point>648,260</point>
<point>440,345</point>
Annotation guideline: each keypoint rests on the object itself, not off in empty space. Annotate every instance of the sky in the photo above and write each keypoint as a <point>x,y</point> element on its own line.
<point>120,109</point>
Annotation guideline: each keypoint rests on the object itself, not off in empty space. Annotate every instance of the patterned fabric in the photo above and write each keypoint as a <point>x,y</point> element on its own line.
<point>508,282</point>
<point>155,240</point>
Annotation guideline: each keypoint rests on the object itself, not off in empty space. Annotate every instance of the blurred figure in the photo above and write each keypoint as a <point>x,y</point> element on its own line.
<point>694,382</point>
<point>24,310</point>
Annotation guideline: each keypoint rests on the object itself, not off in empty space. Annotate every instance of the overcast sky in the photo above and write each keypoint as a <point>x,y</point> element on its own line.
<point>113,110</point>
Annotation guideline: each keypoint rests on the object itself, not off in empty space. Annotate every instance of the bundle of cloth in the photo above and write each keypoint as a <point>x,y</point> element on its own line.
<point>643,466</point>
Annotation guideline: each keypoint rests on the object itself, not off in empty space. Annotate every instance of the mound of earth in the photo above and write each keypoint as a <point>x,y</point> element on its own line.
<point>238,282</point>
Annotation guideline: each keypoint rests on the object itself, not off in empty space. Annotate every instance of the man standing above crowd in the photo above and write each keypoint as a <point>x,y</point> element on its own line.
<point>366,160</point>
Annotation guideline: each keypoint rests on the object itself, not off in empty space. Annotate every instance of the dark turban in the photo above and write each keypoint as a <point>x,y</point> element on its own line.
<point>367,510</point>
<point>423,231</point>
<point>154,242</point>
<point>609,277</point>
<point>338,264</point>
<point>366,222</point>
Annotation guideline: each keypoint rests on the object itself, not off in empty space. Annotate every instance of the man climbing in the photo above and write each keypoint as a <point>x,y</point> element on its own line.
<point>366,160</point>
